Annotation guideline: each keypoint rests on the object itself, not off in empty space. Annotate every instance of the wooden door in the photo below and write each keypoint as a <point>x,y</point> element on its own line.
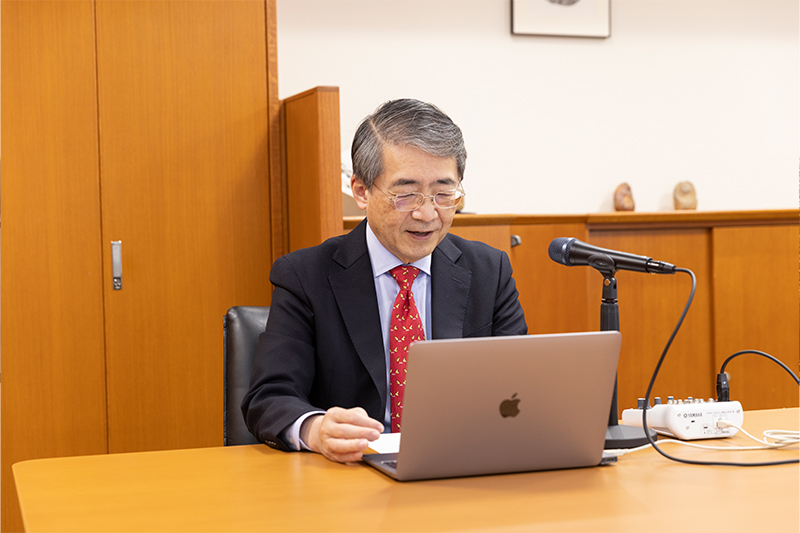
<point>182,90</point>
<point>553,296</point>
<point>649,308</point>
<point>53,393</point>
<point>756,308</point>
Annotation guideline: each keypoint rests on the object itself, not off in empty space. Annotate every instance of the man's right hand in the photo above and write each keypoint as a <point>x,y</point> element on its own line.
<point>341,435</point>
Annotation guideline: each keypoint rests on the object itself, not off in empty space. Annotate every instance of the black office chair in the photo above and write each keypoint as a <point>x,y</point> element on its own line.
<point>241,328</point>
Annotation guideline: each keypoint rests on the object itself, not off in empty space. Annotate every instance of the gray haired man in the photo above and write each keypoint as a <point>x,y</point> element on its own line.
<point>321,380</point>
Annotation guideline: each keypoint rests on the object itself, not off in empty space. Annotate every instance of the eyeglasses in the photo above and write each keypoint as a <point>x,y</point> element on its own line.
<point>411,201</point>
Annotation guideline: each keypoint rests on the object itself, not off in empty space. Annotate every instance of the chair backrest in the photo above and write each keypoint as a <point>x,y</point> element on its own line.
<point>241,328</point>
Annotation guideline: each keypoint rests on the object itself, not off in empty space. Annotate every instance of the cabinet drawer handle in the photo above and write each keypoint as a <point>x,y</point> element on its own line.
<point>116,264</point>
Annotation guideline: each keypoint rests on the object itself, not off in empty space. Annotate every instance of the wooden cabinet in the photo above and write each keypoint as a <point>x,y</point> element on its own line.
<point>185,187</point>
<point>756,308</point>
<point>553,297</point>
<point>53,359</point>
<point>746,265</point>
<point>649,308</point>
<point>146,122</point>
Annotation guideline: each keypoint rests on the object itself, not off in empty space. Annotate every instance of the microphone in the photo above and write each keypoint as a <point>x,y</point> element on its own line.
<point>572,252</point>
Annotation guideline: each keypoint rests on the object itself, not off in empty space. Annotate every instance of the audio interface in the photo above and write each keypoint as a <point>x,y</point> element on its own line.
<point>688,419</point>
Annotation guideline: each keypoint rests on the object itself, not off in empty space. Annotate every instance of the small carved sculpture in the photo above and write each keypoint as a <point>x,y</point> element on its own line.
<point>684,196</point>
<point>623,198</point>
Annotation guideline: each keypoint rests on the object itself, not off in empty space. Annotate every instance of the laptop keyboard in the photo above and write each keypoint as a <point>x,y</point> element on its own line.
<point>390,464</point>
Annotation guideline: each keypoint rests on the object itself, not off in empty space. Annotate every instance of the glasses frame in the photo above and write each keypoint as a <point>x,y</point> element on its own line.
<point>394,197</point>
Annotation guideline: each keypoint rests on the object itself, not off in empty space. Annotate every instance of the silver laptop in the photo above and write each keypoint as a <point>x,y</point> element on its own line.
<point>504,404</point>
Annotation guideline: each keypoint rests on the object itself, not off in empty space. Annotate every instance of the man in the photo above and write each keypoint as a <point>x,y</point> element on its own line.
<point>321,378</point>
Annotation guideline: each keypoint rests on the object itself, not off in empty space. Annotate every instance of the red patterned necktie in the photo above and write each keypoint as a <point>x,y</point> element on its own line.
<point>405,327</point>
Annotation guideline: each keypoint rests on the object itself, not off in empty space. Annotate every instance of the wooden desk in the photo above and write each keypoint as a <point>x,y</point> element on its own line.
<point>254,488</point>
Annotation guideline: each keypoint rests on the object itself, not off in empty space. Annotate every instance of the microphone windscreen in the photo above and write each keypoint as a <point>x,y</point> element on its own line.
<point>559,250</point>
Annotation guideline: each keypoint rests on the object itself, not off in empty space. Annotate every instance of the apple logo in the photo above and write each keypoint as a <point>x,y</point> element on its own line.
<point>510,407</point>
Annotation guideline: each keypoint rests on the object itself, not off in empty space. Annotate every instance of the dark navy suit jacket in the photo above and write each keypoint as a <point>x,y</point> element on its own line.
<point>323,345</point>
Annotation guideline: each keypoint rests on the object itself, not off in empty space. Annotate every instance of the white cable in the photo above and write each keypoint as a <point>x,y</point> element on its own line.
<point>781,437</point>
<point>624,451</point>
<point>725,448</point>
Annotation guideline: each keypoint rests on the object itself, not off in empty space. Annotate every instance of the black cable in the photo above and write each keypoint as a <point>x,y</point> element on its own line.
<point>768,356</point>
<point>653,380</point>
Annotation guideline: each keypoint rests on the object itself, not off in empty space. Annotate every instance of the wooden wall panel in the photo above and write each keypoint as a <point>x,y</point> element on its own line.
<point>53,393</point>
<point>649,308</point>
<point>756,307</point>
<point>553,296</point>
<point>313,166</point>
<point>497,236</point>
<point>184,125</point>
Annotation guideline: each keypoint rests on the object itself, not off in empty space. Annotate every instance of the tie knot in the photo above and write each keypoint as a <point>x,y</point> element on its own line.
<point>405,276</point>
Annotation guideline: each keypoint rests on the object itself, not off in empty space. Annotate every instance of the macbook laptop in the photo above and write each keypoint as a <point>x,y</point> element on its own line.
<point>496,405</point>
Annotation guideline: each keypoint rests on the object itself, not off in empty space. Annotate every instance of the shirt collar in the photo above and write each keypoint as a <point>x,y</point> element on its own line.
<point>383,260</point>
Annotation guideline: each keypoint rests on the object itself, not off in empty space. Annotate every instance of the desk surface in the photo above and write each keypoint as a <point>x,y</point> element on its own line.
<point>255,488</point>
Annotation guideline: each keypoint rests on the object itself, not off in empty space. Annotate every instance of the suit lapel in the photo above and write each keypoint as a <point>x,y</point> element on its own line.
<point>450,286</point>
<point>354,290</point>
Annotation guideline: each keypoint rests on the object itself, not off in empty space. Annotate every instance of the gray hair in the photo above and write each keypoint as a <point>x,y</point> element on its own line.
<point>405,122</point>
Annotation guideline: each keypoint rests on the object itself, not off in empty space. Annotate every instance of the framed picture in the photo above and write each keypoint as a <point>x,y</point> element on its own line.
<point>572,18</point>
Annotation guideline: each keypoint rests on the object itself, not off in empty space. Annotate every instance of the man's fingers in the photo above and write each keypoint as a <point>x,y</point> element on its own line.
<point>344,450</point>
<point>343,430</point>
<point>346,458</point>
<point>344,434</point>
<point>356,417</point>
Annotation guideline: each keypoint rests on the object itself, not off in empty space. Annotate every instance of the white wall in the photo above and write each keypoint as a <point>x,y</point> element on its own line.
<point>699,90</point>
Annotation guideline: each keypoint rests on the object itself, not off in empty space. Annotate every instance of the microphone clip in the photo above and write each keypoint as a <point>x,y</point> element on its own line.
<point>603,263</point>
<point>609,288</point>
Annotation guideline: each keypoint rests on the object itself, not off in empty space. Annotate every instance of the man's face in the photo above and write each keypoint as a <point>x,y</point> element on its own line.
<point>409,235</point>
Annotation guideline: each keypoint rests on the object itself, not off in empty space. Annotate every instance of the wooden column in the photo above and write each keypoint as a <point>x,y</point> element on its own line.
<point>313,166</point>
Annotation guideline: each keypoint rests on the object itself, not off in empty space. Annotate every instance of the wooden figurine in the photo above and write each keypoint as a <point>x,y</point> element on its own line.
<point>684,196</point>
<point>623,198</point>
